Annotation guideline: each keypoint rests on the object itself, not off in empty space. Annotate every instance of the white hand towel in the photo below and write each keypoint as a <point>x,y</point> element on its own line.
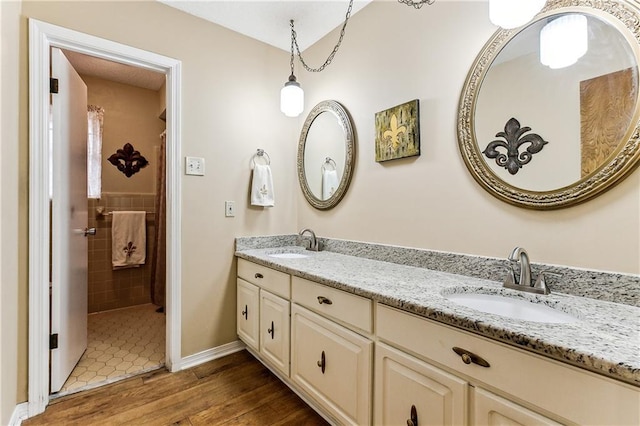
<point>330,183</point>
<point>262,186</point>
<point>128,239</point>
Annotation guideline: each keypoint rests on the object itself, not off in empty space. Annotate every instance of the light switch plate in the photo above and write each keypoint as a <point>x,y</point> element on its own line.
<point>230,208</point>
<point>194,166</point>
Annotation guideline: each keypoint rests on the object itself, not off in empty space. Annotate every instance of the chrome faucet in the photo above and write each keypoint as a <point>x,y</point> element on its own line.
<point>523,282</point>
<point>314,244</point>
<point>520,256</point>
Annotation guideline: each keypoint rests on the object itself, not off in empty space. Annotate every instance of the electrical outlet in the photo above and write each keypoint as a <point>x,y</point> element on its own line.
<point>229,208</point>
<point>194,166</point>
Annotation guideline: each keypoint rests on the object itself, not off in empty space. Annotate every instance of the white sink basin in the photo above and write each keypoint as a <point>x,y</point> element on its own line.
<point>511,308</point>
<point>289,255</point>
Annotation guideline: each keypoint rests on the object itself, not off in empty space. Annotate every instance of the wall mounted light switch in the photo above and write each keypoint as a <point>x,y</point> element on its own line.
<point>194,166</point>
<point>229,208</point>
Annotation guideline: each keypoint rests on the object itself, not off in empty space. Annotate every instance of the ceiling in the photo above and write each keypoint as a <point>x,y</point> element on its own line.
<point>263,20</point>
<point>268,21</point>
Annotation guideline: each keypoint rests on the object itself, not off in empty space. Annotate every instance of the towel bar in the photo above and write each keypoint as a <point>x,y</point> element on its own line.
<point>330,162</point>
<point>263,154</point>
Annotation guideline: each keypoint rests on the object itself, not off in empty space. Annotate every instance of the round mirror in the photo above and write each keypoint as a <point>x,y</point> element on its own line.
<point>545,128</point>
<point>326,154</point>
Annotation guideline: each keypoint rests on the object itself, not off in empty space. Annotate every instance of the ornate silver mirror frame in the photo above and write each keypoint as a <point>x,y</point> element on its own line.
<point>344,121</point>
<point>622,15</point>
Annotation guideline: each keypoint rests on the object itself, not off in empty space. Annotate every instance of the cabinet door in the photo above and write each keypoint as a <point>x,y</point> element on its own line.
<point>247,313</point>
<point>406,386</point>
<point>490,409</point>
<point>333,365</point>
<point>274,330</point>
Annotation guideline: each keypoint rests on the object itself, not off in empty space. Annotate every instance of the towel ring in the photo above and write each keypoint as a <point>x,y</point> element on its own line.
<point>330,162</point>
<point>262,154</point>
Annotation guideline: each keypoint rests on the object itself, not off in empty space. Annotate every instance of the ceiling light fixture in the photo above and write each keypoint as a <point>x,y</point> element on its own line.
<point>563,41</point>
<point>510,14</point>
<point>416,4</point>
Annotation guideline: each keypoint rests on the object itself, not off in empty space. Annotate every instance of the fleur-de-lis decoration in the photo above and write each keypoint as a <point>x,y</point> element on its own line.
<point>393,134</point>
<point>515,137</point>
<point>128,160</point>
<point>130,249</point>
<point>264,191</point>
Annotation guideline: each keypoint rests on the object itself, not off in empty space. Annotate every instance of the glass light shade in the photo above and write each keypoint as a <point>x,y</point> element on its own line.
<point>291,98</point>
<point>510,14</point>
<point>563,41</point>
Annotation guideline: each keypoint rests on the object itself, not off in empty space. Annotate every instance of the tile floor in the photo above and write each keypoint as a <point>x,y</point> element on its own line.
<point>121,343</point>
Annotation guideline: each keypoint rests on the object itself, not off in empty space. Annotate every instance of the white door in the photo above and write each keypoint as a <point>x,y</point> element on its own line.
<point>69,220</point>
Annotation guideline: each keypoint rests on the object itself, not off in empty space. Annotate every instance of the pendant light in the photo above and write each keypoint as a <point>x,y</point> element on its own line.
<point>292,95</point>
<point>563,41</point>
<point>510,14</point>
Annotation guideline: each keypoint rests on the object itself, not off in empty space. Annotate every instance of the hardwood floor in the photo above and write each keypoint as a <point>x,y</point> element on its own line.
<point>233,390</point>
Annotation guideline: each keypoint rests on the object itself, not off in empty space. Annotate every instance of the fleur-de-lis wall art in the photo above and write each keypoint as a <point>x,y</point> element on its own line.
<point>514,137</point>
<point>398,132</point>
<point>128,160</point>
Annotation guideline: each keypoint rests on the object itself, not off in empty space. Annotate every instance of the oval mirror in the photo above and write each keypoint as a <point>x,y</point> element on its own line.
<point>326,155</point>
<point>544,131</point>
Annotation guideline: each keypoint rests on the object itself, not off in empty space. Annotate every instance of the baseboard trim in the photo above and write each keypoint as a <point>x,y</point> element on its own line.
<point>211,354</point>
<point>20,413</point>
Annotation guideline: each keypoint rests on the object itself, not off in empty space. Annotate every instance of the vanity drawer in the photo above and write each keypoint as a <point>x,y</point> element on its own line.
<point>346,307</point>
<point>275,281</point>
<point>572,393</point>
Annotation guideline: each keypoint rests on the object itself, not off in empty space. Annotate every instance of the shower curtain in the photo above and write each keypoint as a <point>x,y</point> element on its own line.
<point>159,265</point>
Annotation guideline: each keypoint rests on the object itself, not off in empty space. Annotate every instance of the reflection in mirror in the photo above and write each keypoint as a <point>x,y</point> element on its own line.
<point>325,140</point>
<point>326,155</point>
<point>543,137</point>
<point>559,104</point>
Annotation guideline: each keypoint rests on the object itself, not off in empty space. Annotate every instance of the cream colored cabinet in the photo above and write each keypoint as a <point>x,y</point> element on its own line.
<point>491,410</point>
<point>333,365</point>
<point>274,330</point>
<point>248,313</point>
<point>526,388</point>
<point>410,391</point>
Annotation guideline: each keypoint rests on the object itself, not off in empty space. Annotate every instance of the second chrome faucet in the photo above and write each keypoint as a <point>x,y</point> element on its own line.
<point>314,244</point>
<point>519,260</point>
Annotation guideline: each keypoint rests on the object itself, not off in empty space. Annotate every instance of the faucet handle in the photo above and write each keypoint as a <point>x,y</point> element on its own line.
<point>541,283</point>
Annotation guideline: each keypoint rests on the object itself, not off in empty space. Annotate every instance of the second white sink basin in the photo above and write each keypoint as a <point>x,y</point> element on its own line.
<point>289,255</point>
<point>511,308</point>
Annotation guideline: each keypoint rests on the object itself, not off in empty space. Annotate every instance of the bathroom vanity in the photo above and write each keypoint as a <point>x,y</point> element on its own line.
<point>371,342</point>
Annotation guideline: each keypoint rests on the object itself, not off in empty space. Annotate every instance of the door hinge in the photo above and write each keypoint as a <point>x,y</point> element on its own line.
<point>53,341</point>
<point>53,85</point>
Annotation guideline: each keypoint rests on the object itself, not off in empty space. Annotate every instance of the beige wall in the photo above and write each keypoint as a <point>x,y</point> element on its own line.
<point>11,185</point>
<point>131,116</point>
<point>229,109</point>
<point>392,54</point>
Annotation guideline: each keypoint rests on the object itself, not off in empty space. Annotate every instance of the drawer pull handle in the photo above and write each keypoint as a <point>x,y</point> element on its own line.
<point>470,357</point>
<point>413,421</point>
<point>322,363</point>
<point>259,275</point>
<point>270,330</point>
<point>322,299</point>
<point>245,313</point>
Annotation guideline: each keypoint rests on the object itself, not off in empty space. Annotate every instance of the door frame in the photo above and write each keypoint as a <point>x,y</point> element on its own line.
<point>43,36</point>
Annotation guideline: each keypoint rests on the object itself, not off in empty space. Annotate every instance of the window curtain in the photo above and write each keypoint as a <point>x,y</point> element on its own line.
<point>95,116</point>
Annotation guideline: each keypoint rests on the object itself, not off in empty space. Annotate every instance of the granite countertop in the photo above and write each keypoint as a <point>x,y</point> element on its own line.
<point>606,339</point>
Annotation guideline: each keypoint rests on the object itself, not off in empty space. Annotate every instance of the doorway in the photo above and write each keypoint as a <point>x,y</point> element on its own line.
<point>42,37</point>
<point>125,335</point>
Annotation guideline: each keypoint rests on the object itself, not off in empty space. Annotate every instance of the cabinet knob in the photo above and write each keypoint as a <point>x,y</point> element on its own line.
<point>270,330</point>
<point>322,299</point>
<point>245,313</point>
<point>322,363</point>
<point>470,357</point>
<point>413,420</point>
<point>258,275</point>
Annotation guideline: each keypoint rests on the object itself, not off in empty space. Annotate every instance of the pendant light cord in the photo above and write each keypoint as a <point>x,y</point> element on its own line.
<point>416,4</point>
<point>294,41</point>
